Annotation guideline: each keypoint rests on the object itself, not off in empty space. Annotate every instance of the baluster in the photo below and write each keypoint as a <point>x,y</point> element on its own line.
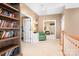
<point>77,48</point>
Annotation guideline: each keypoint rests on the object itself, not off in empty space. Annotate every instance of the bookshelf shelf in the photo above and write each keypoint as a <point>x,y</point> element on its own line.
<point>6,49</point>
<point>10,29</point>
<point>9,7</point>
<point>7,17</point>
<point>19,54</point>
<point>6,39</point>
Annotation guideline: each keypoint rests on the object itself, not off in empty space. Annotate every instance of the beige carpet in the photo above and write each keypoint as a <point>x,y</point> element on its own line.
<point>43,48</point>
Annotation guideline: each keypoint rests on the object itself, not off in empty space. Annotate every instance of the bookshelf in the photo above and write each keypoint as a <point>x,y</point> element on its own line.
<point>7,48</point>
<point>6,39</point>
<point>9,7</point>
<point>10,29</point>
<point>7,17</point>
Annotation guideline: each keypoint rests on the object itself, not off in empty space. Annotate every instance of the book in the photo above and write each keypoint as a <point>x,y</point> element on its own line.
<point>0,22</point>
<point>3,35</point>
<point>0,10</point>
<point>4,23</point>
<point>7,13</point>
<point>6,34</point>
<point>14,15</point>
<point>1,32</point>
<point>9,52</point>
<point>15,51</point>
<point>10,34</point>
<point>12,52</point>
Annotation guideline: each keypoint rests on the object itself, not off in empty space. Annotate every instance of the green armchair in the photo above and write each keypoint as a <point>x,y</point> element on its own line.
<point>42,36</point>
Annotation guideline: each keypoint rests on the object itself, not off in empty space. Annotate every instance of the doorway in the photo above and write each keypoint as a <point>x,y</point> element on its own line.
<point>27,30</point>
<point>49,28</point>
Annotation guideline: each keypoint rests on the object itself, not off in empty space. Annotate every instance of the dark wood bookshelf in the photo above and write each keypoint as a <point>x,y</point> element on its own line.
<point>10,43</point>
<point>19,54</point>
<point>7,48</point>
<point>7,17</point>
<point>9,7</point>
<point>8,28</point>
<point>11,38</point>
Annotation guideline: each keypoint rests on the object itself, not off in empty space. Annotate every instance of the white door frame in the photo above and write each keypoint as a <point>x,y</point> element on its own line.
<point>25,20</point>
<point>47,21</point>
<point>31,18</point>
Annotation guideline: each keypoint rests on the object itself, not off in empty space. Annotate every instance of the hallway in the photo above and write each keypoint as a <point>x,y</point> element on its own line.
<point>43,48</point>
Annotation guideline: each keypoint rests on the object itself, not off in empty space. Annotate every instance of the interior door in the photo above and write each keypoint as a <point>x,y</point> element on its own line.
<point>53,30</point>
<point>27,30</point>
<point>50,29</point>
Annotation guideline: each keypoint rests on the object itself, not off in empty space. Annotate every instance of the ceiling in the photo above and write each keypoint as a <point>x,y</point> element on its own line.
<point>50,8</point>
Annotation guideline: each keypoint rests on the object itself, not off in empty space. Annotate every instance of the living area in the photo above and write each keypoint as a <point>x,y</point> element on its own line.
<point>49,24</point>
<point>44,29</point>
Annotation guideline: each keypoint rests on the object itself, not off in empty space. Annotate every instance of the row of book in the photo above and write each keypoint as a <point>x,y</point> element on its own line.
<point>7,13</point>
<point>7,34</point>
<point>4,23</point>
<point>12,52</point>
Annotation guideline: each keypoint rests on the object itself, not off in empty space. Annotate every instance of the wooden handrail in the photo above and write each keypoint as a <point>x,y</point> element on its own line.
<point>75,37</point>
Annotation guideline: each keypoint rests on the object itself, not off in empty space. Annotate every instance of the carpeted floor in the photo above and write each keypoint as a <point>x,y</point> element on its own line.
<point>43,48</point>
